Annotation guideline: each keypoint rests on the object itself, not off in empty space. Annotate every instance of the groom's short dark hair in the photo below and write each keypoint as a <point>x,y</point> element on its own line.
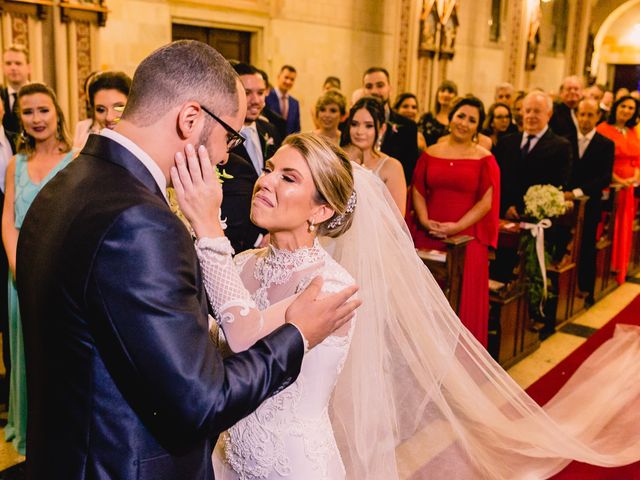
<point>179,72</point>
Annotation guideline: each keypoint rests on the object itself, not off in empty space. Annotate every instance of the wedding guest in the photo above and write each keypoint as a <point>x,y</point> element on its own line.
<point>5,156</point>
<point>563,121</point>
<point>498,123</point>
<point>280,100</point>
<point>455,191</point>
<point>621,92</point>
<point>332,83</point>
<point>504,94</point>
<point>269,115</point>
<point>516,111</point>
<point>399,140</point>
<point>433,125</point>
<point>331,107</point>
<point>246,163</point>
<point>43,150</point>
<point>88,125</point>
<point>590,174</point>
<point>107,93</point>
<point>406,104</point>
<point>535,157</point>
<point>365,126</point>
<point>16,69</point>
<point>620,127</point>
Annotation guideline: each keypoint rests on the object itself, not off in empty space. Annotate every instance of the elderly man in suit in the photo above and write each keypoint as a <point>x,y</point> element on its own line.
<point>246,163</point>
<point>535,156</point>
<point>400,139</point>
<point>281,102</point>
<point>563,121</point>
<point>123,380</point>
<point>590,174</point>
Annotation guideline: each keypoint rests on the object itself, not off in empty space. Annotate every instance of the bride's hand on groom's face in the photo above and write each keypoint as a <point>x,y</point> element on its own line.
<point>318,316</point>
<point>198,191</point>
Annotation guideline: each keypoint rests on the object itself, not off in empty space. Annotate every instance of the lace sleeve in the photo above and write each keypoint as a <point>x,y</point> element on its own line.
<point>229,299</point>
<point>234,309</point>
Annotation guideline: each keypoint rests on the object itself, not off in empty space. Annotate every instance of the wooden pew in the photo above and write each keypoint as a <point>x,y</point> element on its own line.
<point>563,271</point>
<point>605,279</point>
<point>512,335</point>
<point>447,267</point>
<point>634,259</point>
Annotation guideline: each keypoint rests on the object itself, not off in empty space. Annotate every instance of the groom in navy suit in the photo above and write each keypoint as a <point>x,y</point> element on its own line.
<point>123,381</point>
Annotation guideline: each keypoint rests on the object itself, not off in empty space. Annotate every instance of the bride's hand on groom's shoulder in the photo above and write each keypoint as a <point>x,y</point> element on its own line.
<point>198,191</point>
<point>318,315</point>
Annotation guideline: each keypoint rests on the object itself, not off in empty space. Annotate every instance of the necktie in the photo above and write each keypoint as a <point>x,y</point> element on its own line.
<point>250,146</point>
<point>527,145</point>
<point>14,106</point>
<point>582,146</point>
<point>284,106</point>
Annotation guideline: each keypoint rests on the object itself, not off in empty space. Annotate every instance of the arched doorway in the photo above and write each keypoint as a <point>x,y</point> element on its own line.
<point>616,57</point>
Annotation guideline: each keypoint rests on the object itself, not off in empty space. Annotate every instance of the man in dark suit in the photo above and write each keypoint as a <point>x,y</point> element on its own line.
<point>590,174</point>
<point>281,102</point>
<point>563,121</point>
<point>535,156</point>
<point>16,68</point>
<point>401,138</point>
<point>123,380</point>
<point>261,142</point>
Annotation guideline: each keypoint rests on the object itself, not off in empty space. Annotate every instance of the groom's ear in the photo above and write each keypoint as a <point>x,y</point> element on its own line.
<point>189,120</point>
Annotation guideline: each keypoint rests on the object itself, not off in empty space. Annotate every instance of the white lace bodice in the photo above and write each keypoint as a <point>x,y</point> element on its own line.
<point>290,434</point>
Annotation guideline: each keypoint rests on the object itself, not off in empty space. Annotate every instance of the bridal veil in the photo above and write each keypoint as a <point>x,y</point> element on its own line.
<point>419,397</point>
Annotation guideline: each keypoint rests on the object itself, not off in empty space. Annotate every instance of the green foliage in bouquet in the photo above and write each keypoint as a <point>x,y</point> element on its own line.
<point>541,202</point>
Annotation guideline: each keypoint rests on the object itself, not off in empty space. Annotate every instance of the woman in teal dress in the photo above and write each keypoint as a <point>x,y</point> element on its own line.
<point>43,150</point>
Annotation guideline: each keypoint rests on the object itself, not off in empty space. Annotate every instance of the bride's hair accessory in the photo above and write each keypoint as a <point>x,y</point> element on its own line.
<point>351,206</point>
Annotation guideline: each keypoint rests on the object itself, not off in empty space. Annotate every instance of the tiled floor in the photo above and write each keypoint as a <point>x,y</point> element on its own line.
<point>550,353</point>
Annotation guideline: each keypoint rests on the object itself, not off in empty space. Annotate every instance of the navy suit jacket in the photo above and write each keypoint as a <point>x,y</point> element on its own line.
<point>122,378</point>
<point>293,114</point>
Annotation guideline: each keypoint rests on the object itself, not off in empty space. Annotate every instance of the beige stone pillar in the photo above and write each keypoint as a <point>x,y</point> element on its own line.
<point>577,37</point>
<point>61,61</point>
<point>516,51</point>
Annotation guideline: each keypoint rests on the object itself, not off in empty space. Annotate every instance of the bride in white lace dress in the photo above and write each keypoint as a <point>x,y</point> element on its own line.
<point>296,199</point>
<point>406,391</point>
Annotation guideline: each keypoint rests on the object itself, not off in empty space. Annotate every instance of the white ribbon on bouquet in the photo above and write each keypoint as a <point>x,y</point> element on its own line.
<point>537,232</point>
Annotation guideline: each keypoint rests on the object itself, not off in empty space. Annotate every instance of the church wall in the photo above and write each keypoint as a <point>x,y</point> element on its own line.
<point>320,38</point>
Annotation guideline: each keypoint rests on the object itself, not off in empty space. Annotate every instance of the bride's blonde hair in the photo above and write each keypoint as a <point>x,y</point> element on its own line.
<point>333,178</point>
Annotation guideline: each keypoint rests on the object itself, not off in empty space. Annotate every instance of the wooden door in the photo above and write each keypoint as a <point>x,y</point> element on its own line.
<point>232,44</point>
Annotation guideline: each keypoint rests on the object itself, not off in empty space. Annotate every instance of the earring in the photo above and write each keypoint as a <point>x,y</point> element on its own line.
<point>312,227</point>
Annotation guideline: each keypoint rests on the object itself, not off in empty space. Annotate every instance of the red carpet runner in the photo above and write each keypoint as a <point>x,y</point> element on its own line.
<point>546,387</point>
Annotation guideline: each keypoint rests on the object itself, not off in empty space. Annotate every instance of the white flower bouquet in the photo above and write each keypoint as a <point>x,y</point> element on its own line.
<point>544,201</point>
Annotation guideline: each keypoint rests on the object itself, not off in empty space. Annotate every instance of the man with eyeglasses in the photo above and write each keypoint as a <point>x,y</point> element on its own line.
<point>123,380</point>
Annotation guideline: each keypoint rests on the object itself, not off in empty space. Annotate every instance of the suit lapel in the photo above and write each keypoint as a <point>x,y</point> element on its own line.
<point>107,149</point>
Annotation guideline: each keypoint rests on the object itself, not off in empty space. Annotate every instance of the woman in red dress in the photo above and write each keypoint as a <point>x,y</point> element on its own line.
<point>619,127</point>
<point>455,190</point>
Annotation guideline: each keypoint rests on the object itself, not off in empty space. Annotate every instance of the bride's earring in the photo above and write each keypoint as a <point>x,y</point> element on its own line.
<point>312,227</point>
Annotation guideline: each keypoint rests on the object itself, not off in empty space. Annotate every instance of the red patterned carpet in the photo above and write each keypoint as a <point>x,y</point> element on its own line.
<point>542,390</point>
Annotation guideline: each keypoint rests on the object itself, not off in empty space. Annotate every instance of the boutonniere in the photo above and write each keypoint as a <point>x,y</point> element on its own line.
<point>268,139</point>
<point>394,126</point>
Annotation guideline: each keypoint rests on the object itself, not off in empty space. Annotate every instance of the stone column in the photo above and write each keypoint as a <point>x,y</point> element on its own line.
<point>577,37</point>
<point>518,25</point>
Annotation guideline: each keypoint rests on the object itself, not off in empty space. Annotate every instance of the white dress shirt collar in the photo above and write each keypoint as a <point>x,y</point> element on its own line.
<point>534,137</point>
<point>141,155</point>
